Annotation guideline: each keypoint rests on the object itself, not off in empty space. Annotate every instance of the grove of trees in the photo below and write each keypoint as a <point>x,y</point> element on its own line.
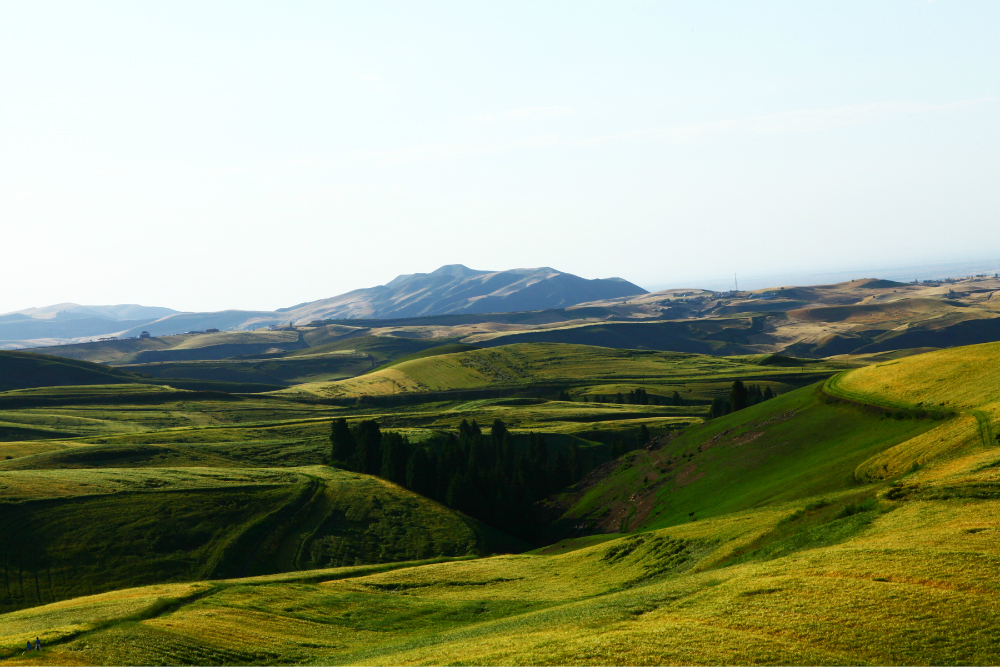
<point>487,476</point>
<point>740,396</point>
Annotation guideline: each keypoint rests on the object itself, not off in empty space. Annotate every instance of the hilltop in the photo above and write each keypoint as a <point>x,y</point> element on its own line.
<point>456,289</point>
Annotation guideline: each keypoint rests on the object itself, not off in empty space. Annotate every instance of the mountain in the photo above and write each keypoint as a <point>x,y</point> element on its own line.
<point>457,289</point>
<point>63,322</point>
<point>67,311</point>
<point>452,289</point>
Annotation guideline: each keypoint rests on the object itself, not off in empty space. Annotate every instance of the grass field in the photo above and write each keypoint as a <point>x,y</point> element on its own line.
<point>549,364</point>
<point>851,520</point>
<point>901,589</point>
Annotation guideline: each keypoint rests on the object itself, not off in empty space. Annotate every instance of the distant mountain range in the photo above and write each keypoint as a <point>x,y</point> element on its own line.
<point>452,289</point>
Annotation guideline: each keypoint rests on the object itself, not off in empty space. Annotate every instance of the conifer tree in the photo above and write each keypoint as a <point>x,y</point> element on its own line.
<point>719,408</point>
<point>395,452</point>
<point>419,473</point>
<point>738,396</point>
<point>368,438</point>
<point>342,446</point>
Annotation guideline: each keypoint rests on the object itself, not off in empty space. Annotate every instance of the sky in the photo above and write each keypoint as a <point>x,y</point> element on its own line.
<point>204,155</point>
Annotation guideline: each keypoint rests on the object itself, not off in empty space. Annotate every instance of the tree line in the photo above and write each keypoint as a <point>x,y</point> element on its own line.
<point>484,475</point>
<point>635,397</point>
<point>740,396</point>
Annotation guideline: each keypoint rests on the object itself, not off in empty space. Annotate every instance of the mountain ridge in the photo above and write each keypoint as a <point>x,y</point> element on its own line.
<point>449,289</point>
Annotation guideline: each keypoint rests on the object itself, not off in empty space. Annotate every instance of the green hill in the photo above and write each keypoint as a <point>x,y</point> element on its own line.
<point>85,531</point>
<point>849,521</point>
<point>24,370</point>
<point>588,369</point>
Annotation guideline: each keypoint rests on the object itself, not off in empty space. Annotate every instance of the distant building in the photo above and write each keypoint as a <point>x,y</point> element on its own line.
<point>144,334</point>
<point>211,331</point>
<point>109,338</point>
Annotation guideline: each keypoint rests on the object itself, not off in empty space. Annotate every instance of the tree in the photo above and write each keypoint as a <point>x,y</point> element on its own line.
<point>738,396</point>
<point>720,407</point>
<point>768,394</point>
<point>395,453</point>
<point>676,399</point>
<point>644,436</point>
<point>420,473</point>
<point>498,432</point>
<point>368,438</point>
<point>342,446</point>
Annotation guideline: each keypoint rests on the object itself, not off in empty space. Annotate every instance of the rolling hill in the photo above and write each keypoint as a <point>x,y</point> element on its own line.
<point>23,370</point>
<point>852,521</point>
<point>586,369</point>
<point>179,524</point>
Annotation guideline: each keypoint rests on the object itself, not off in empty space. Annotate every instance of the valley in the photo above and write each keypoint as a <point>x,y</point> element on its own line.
<point>527,498</point>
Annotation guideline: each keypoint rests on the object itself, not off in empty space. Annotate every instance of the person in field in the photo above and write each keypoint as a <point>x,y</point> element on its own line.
<point>38,644</point>
<point>28,646</point>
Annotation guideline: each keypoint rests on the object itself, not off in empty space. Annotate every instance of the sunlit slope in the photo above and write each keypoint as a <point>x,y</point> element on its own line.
<point>932,416</point>
<point>961,378</point>
<point>545,363</point>
<point>794,446</point>
<point>963,381</point>
<point>75,532</point>
<point>900,582</point>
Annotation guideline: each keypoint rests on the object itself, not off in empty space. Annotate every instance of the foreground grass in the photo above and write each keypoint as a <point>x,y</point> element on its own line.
<point>905,590</point>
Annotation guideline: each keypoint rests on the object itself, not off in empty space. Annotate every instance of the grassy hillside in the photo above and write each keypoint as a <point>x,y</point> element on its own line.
<point>84,531</point>
<point>23,370</point>
<point>538,364</point>
<point>894,584</point>
<point>849,521</point>
<point>180,347</point>
<point>788,448</point>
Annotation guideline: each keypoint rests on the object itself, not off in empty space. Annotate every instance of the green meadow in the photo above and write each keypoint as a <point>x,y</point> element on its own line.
<point>852,519</point>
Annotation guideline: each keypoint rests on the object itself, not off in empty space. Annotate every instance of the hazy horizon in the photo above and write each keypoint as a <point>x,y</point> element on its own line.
<point>255,155</point>
<point>719,283</point>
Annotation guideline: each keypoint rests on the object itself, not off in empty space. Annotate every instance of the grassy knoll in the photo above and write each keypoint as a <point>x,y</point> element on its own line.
<point>554,365</point>
<point>23,370</point>
<point>316,367</point>
<point>323,363</point>
<point>83,531</point>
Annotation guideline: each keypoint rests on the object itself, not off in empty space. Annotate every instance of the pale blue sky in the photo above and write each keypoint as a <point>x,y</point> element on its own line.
<point>204,155</point>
